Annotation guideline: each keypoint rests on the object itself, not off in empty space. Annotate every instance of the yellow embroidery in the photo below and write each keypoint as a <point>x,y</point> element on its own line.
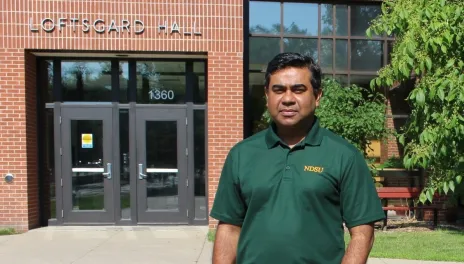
<point>314,169</point>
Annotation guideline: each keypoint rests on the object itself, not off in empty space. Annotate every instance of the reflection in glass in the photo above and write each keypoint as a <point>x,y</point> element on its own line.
<point>123,82</point>
<point>86,81</point>
<point>258,101</point>
<point>124,163</point>
<point>303,46</point>
<point>48,173</point>
<point>366,55</point>
<point>161,163</point>
<point>161,82</point>
<point>361,17</point>
<point>45,71</point>
<point>262,50</point>
<point>341,20</point>
<point>326,20</point>
<point>199,88</point>
<point>199,164</point>
<point>87,165</point>
<point>341,54</point>
<point>342,79</point>
<point>264,24</point>
<point>300,19</point>
<point>326,58</point>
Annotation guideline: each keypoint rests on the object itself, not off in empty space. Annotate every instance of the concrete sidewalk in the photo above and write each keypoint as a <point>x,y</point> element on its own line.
<point>114,245</point>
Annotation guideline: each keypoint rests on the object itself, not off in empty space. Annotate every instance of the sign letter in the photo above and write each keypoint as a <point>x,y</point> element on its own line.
<point>140,31</point>
<point>113,27</point>
<point>31,26</point>
<point>102,29</point>
<point>50,29</point>
<point>125,25</point>
<point>162,27</point>
<point>73,21</point>
<point>61,23</point>
<point>85,23</point>
<point>175,28</point>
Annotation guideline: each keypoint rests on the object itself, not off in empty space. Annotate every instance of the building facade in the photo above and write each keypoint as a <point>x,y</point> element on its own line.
<point>122,112</point>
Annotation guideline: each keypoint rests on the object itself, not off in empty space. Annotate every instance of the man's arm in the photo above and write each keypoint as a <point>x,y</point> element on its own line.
<point>360,245</point>
<point>225,244</point>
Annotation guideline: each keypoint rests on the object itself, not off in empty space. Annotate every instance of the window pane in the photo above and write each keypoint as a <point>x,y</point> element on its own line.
<point>258,101</point>
<point>161,82</point>
<point>124,163</point>
<point>366,55</point>
<point>303,46</point>
<point>199,89</point>
<point>123,81</point>
<point>45,71</point>
<point>326,55</point>
<point>390,45</point>
<point>361,17</point>
<point>265,23</point>
<point>342,79</point>
<point>300,19</point>
<point>199,164</point>
<point>49,165</point>
<point>326,20</point>
<point>341,20</point>
<point>262,50</point>
<point>362,80</point>
<point>341,57</point>
<point>86,80</point>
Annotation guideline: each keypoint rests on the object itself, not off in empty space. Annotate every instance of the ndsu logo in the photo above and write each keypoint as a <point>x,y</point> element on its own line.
<point>313,169</point>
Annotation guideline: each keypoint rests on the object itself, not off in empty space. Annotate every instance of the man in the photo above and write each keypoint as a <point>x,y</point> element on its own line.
<point>285,192</point>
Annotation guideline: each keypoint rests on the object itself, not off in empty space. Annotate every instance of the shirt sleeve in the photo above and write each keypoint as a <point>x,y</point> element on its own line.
<point>228,206</point>
<point>359,199</point>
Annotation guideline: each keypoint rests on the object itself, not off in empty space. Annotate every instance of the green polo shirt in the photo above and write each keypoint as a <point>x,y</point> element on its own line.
<point>292,203</point>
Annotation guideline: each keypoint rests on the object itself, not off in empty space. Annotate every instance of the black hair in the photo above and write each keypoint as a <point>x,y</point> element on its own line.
<point>292,59</point>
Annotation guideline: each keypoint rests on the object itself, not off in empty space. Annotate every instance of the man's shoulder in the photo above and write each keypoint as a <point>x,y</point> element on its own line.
<point>336,142</point>
<point>257,140</point>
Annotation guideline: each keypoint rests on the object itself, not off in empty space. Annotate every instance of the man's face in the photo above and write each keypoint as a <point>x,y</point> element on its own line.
<point>290,96</point>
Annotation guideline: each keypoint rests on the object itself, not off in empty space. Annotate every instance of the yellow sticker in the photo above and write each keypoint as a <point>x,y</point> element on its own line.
<point>87,140</point>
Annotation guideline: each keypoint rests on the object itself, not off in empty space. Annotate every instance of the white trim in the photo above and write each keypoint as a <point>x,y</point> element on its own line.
<point>88,170</point>
<point>149,170</point>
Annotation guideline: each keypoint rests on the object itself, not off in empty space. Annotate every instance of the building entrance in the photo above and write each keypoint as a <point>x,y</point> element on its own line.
<point>139,161</point>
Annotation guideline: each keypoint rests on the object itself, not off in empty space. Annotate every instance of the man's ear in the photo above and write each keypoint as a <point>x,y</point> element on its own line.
<point>318,95</point>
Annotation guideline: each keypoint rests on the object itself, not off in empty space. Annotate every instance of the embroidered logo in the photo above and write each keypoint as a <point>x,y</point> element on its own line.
<point>313,169</point>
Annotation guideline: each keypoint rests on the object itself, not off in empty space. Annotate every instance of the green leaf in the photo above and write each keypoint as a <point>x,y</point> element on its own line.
<point>428,61</point>
<point>450,63</point>
<point>441,94</point>
<point>422,198</point>
<point>443,2</point>
<point>445,187</point>
<point>368,32</point>
<point>458,179</point>
<point>420,97</point>
<point>451,185</point>
<point>458,13</point>
<point>401,140</point>
<point>430,195</point>
<point>444,49</point>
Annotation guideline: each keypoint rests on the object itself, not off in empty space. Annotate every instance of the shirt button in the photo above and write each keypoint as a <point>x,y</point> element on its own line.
<point>287,168</point>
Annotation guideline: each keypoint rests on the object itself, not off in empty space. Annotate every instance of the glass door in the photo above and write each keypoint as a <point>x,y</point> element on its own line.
<point>87,172</point>
<point>161,165</point>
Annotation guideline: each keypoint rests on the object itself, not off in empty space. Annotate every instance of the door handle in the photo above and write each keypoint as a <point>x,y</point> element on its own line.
<point>108,173</point>
<point>141,175</point>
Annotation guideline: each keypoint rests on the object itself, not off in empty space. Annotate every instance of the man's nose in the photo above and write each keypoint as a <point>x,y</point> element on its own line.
<point>288,97</point>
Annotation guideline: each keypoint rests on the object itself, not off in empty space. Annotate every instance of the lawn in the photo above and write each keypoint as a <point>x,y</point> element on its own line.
<point>438,245</point>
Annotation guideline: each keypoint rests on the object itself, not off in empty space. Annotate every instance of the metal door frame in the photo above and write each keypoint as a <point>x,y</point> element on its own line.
<point>113,150</point>
<point>159,112</point>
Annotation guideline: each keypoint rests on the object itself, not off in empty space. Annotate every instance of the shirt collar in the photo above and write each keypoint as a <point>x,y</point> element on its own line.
<point>313,138</point>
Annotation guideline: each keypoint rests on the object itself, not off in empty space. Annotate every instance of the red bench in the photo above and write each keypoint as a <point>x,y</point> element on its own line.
<point>386,193</point>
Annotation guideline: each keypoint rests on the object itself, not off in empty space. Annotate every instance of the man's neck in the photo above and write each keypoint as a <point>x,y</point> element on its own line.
<point>294,135</point>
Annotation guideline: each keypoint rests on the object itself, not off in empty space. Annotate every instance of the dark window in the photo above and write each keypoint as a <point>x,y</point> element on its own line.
<point>123,81</point>
<point>124,159</point>
<point>86,81</point>
<point>300,19</point>
<point>261,51</point>
<point>268,23</point>
<point>361,17</point>
<point>199,164</point>
<point>199,82</point>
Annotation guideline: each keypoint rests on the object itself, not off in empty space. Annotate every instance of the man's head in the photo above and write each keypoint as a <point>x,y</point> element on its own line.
<point>293,89</point>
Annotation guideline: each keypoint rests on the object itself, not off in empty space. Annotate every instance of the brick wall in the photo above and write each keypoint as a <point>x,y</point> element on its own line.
<point>221,27</point>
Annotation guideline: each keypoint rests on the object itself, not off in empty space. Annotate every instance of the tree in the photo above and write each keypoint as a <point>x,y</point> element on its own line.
<point>428,50</point>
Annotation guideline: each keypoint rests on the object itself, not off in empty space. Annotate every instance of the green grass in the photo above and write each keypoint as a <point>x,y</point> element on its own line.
<point>7,231</point>
<point>438,245</point>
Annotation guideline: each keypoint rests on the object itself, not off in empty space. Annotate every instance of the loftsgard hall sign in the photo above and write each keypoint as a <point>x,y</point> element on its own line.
<point>102,26</point>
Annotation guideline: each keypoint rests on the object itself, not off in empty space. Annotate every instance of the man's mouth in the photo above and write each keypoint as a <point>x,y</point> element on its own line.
<point>288,112</point>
